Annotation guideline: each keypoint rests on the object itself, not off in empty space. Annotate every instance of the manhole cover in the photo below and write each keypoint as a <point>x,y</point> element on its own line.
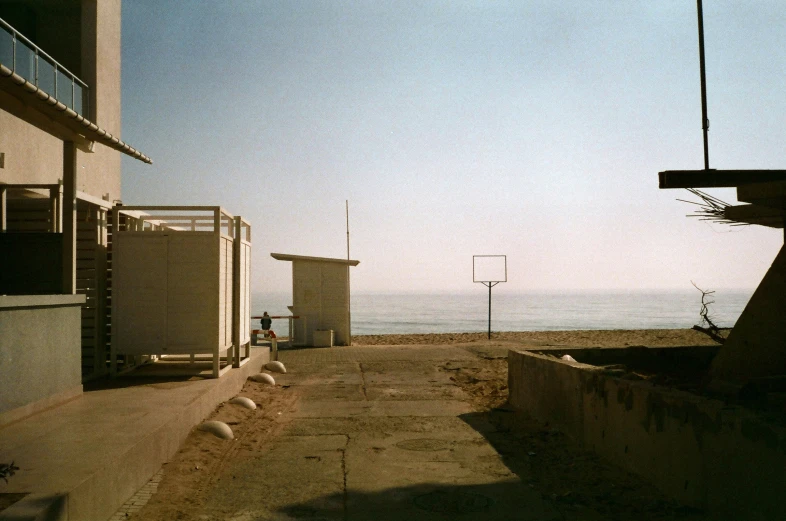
<point>423,444</point>
<point>453,502</point>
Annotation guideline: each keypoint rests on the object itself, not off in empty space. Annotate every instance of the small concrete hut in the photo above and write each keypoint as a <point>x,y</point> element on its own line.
<point>320,294</point>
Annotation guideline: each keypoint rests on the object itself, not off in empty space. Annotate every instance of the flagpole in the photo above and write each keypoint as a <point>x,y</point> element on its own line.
<point>349,296</point>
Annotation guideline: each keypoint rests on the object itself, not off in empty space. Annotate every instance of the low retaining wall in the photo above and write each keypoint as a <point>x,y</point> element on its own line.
<point>700,451</point>
<point>40,343</point>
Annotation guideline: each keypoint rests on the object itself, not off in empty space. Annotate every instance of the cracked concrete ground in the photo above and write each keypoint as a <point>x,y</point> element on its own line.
<point>373,433</point>
<point>363,433</point>
<point>377,439</point>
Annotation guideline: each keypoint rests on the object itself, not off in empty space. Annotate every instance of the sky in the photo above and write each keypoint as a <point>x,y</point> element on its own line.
<point>529,129</point>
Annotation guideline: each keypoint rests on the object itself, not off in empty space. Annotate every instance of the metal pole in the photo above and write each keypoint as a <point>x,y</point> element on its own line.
<point>489,310</point>
<point>347,205</point>
<point>705,123</point>
<point>349,289</point>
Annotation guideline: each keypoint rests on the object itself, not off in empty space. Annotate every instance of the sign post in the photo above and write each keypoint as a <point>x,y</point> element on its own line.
<point>489,270</point>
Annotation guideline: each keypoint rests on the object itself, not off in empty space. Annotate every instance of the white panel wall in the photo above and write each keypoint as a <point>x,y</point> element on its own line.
<point>306,300</point>
<point>139,293</point>
<point>172,292</point>
<point>225,291</point>
<point>321,293</point>
<point>245,292</point>
<point>193,292</point>
<point>335,301</point>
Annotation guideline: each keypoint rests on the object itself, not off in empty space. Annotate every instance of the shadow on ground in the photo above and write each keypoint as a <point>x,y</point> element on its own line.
<point>578,483</point>
<point>427,501</point>
<point>163,382</point>
<point>554,480</point>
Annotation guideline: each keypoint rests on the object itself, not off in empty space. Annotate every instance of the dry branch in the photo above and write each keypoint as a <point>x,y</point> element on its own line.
<point>7,470</point>
<point>712,330</point>
<point>710,209</point>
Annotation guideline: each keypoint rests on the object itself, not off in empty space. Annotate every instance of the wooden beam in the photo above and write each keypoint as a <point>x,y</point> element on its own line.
<point>764,194</point>
<point>237,308</point>
<point>755,214</point>
<point>717,178</point>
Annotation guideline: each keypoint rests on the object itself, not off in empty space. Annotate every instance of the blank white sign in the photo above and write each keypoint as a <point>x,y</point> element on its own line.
<point>489,268</point>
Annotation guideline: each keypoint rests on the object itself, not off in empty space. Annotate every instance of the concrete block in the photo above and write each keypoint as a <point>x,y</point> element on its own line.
<point>323,338</point>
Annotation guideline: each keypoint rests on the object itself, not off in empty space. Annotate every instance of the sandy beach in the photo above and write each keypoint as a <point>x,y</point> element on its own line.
<point>578,338</point>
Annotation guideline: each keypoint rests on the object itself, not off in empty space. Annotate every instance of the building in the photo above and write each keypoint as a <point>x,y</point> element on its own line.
<point>321,299</point>
<point>60,113</point>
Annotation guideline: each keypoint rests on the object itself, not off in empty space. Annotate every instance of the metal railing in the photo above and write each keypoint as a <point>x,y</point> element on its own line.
<point>27,60</point>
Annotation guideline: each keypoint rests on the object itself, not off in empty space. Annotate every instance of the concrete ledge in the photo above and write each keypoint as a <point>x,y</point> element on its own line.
<point>40,301</point>
<point>97,451</point>
<point>40,339</point>
<point>727,460</point>
<point>38,507</point>
<point>41,405</point>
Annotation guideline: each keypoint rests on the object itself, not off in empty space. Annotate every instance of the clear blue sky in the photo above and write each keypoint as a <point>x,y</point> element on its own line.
<point>534,129</point>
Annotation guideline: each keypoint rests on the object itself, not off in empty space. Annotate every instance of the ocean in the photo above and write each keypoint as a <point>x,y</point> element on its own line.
<point>376,313</point>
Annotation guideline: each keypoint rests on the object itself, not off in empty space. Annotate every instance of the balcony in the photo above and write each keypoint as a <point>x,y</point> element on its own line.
<point>27,60</point>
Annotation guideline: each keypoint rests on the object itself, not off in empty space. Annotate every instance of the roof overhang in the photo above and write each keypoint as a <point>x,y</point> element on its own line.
<point>717,178</point>
<point>287,257</point>
<point>765,190</point>
<point>64,116</point>
<point>755,214</point>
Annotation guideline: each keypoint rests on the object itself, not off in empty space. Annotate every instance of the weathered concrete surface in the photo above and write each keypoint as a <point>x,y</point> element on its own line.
<point>80,461</point>
<point>725,459</point>
<point>755,346</point>
<point>376,436</point>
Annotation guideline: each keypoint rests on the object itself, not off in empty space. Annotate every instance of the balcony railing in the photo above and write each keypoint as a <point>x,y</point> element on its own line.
<point>27,60</point>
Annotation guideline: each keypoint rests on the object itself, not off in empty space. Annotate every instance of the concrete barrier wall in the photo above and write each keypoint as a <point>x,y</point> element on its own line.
<point>547,391</point>
<point>727,460</point>
<point>40,353</point>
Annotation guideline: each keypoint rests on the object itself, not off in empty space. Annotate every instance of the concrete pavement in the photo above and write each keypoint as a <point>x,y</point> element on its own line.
<point>377,433</point>
<point>80,461</point>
